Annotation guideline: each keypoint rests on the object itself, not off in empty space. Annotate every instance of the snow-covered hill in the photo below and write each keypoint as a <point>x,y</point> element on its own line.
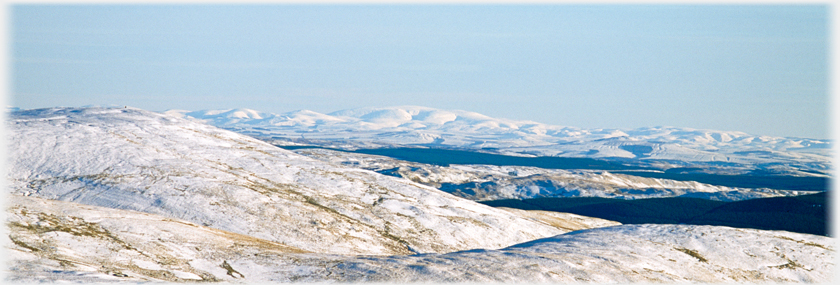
<point>406,125</point>
<point>121,194</point>
<point>131,159</point>
<point>65,241</point>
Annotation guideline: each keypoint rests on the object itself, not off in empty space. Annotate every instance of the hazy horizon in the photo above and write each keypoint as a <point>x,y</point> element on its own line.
<point>759,69</point>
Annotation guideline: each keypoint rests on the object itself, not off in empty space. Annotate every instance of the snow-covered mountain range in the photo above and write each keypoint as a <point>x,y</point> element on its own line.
<point>412,125</point>
<point>122,194</point>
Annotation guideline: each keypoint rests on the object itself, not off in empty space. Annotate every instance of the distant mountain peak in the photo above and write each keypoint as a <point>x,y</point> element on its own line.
<point>413,125</point>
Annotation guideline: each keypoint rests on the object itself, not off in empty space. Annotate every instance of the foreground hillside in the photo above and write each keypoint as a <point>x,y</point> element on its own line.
<point>132,159</point>
<point>64,241</point>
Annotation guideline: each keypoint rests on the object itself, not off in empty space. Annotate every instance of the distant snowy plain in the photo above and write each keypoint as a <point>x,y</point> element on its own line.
<point>412,125</point>
<point>121,194</point>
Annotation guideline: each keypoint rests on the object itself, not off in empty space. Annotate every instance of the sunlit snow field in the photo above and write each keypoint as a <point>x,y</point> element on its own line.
<point>122,194</point>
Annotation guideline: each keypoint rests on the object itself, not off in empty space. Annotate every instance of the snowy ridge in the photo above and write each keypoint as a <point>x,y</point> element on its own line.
<point>406,125</point>
<point>132,159</point>
<point>65,241</point>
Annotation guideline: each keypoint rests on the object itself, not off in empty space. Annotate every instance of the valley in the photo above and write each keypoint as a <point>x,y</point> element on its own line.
<point>803,214</point>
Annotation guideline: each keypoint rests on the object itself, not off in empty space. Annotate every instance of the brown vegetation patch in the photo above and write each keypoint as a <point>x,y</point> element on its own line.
<point>692,253</point>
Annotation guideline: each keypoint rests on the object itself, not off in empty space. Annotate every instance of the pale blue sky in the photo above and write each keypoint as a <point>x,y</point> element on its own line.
<point>761,69</point>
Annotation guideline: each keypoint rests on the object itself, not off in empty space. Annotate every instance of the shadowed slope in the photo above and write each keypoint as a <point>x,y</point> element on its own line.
<point>804,214</point>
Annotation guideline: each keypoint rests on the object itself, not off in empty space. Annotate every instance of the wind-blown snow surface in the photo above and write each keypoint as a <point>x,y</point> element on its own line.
<point>65,241</point>
<point>375,127</point>
<point>132,159</point>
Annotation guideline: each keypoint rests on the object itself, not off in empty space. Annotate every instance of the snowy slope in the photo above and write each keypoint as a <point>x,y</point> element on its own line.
<point>376,127</point>
<point>131,159</point>
<point>55,240</point>
<point>65,241</point>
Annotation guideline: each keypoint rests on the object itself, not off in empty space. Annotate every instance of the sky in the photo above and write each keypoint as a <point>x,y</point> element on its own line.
<point>760,69</point>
